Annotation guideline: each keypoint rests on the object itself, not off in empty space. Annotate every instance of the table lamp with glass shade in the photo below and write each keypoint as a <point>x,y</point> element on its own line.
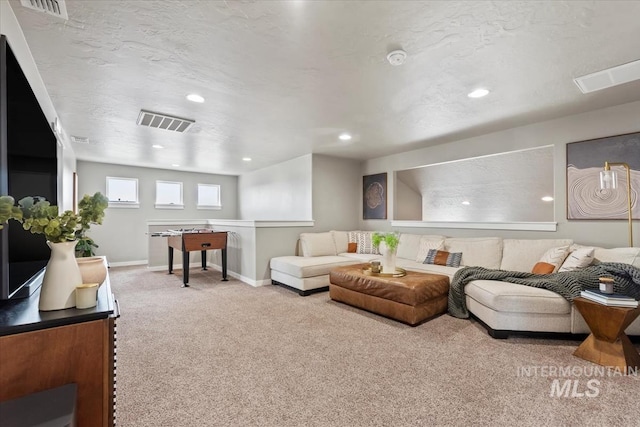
<point>609,181</point>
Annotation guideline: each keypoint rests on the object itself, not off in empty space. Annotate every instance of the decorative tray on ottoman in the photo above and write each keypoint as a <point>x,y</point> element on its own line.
<point>400,272</point>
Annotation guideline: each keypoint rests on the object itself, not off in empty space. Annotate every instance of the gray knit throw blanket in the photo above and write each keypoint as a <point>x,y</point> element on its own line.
<point>567,284</point>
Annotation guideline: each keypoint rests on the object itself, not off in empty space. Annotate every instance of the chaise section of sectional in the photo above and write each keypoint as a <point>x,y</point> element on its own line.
<point>505,307</point>
<point>321,252</point>
<point>306,275</point>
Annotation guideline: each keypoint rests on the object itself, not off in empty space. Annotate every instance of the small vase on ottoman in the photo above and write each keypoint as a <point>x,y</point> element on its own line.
<point>387,244</point>
<point>388,259</point>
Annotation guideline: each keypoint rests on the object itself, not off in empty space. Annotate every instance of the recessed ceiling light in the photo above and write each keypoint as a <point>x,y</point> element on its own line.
<point>547,199</point>
<point>478,93</point>
<point>195,98</point>
<point>466,203</point>
<point>246,159</point>
<point>175,165</point>
<point>344,137</point>
<point>158,146</point>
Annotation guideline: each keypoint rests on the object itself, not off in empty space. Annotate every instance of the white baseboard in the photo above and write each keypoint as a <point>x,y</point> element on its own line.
<point>248,281</point>
<point>128,263</point>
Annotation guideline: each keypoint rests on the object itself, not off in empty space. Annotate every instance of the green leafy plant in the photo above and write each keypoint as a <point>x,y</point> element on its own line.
<point>85,247</point>
<point>391,240</point>
<point>91,211</point>
<point>40,217</point>
<point>8,210</point>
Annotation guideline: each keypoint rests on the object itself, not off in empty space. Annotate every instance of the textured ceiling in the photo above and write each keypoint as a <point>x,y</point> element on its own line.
<point>284,78</point>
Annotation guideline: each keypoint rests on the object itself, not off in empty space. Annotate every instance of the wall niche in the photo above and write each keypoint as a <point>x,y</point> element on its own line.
<point>515,186</point>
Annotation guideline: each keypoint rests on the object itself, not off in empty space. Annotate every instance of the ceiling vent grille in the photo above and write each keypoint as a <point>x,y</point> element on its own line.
<point>80,139</point>
<point>163,121</point>
<point>604,79</point>
<point>50,7</point>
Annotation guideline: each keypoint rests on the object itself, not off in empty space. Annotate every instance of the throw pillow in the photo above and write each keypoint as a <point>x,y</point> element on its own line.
<point>427,244</point>
<point>543,268</point>
<point>577,259</point>
<point>363,239</point>
<point>450,259</point>
<point>352,247</point>
<point>555,256</point>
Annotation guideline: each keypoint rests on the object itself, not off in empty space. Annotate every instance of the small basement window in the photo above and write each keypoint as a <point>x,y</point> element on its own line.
<point>122,192</point>
<point>169,195</point>
<point>209,196</point>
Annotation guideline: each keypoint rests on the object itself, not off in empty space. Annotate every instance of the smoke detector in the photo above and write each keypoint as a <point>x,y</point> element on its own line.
<point>396,57</point>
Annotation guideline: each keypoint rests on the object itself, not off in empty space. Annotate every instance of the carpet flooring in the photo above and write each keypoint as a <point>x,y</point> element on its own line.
<point>227,354</point>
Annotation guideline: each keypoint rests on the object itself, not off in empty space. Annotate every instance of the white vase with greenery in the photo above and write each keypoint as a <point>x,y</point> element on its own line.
<point>387,244</point>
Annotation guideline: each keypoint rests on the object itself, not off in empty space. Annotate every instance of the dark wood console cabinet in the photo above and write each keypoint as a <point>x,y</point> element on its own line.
<point>43,350</point>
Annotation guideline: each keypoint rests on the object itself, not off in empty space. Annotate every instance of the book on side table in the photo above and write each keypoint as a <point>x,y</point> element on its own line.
<point>616,300</point>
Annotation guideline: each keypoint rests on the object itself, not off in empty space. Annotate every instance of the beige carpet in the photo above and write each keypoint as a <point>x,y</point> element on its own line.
<point>227,354</point>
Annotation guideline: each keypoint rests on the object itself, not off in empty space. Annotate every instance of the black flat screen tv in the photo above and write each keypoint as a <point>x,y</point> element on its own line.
<point>28,167</point>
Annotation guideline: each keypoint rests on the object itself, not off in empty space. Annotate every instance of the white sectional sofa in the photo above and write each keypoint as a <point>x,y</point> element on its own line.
<point>501,306</point>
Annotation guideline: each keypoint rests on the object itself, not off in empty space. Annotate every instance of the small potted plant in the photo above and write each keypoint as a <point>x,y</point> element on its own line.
<point>91,211</point>
<point>387,244</point>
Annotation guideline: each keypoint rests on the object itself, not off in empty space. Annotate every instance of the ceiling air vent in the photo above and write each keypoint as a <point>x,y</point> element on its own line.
<point>163,121</point>
<point>50,7</point>
<point>604,79</point>
<point>79,139</point>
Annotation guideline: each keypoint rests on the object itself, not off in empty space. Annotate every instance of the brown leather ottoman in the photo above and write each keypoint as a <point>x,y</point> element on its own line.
<point>410,299</point>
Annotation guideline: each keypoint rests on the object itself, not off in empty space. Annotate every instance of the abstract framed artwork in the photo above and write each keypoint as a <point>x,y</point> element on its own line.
<point>585,160</point>
<point>374,196</point>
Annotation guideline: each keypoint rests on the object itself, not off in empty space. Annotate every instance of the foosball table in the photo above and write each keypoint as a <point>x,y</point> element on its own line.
<point>201,240</point>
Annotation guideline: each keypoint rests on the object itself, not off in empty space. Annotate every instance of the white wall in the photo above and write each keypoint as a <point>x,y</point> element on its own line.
<point>336,193</point>
<point>66,158</point>
<point>336,205</point>
<point>123,235</point>
<point>559,132</point>
<point>280,192</point>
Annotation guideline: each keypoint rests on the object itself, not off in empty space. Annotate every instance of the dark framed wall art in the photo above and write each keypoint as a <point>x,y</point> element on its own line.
<point>585,160</point>
<point>374,196</point>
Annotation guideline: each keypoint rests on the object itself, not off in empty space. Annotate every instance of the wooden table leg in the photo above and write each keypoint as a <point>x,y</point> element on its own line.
<point>224,265</point>
<point>170,260</point>
<point>185,269</point>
